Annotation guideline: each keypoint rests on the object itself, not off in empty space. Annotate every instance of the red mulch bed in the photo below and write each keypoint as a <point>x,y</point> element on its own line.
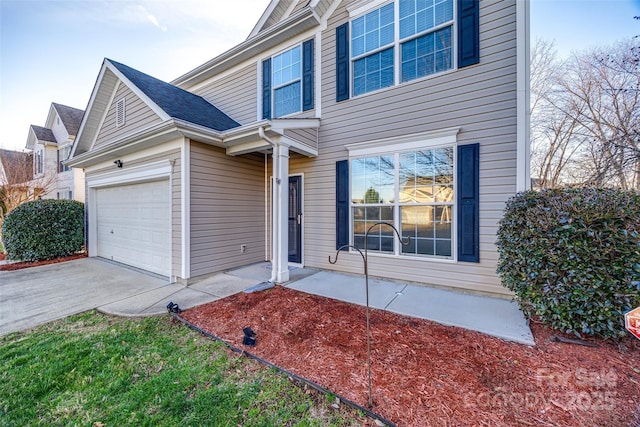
<point>21,265</point>
<point>426,374</point>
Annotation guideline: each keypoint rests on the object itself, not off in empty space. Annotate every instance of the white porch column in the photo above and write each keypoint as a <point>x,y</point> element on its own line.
<point>280,262</point>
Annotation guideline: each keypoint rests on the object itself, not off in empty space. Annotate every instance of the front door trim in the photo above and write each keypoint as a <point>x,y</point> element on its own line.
<point>301,200</point>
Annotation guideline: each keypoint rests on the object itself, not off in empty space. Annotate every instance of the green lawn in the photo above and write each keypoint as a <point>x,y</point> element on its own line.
<point>94,370</point>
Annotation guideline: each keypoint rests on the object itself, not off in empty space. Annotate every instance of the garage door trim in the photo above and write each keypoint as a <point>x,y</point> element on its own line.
<point>122,176</point>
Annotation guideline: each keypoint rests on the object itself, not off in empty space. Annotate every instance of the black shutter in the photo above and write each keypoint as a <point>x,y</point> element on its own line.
<point>266,89</point>
<point>342,62</point>
<point>468,32</point>
<point>469,203</point>
<point>342,203</point>
<point>307,75</point>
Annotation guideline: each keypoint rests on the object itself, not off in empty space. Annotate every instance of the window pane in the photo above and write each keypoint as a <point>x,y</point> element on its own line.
<point>427,54</point>
<point>287,99</point>
<point>417,16</point>
<point>372,31</point>
<point>373,72</point>
<point>443,248</point>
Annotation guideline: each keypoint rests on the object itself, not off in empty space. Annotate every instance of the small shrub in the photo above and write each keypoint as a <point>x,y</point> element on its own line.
<point>44,229</point>
<point>572,257</point>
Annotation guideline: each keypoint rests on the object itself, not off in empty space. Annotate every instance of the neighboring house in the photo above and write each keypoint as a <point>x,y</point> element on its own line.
<point>51,145</point>
<point>331,116</point>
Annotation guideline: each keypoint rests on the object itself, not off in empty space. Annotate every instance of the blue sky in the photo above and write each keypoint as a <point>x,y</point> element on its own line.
<point>52,50</point>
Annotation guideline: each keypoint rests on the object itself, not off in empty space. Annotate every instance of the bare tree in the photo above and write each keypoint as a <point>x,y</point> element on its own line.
<point>606,83</point>
<point>17,183</point>
<point>585,116</point>
<point>554,139</point>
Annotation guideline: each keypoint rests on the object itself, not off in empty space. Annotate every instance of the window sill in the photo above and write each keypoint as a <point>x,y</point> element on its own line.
<point>409,257</point>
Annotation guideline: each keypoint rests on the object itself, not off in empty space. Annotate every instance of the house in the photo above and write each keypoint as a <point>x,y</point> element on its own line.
<point>331,116</point>
<point>51,145</point>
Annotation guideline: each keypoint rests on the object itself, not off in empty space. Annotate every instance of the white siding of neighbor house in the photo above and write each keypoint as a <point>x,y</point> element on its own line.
<point>480,99</point>
<point>235,94</point>
<point>227,209</point>
<point>138,116</point>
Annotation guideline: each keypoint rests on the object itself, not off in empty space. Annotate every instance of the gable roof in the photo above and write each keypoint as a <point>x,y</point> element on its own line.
<point>71,117</point>
<point>177,103</point>
<point>43,134</point>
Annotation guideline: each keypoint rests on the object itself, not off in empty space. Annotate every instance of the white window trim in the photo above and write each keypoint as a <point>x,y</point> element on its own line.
<point>407,143</point>
<point>416,141</point>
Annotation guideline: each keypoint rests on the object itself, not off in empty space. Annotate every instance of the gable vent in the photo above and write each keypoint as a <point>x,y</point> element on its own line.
<point>120,113</point>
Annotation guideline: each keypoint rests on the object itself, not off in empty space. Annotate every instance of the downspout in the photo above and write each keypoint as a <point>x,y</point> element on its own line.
<point>274,206</point>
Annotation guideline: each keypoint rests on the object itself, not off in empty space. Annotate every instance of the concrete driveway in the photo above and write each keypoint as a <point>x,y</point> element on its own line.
<point>37,295</point>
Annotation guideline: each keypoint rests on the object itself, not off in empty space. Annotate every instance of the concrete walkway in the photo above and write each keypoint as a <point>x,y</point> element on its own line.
<point>41,294</point>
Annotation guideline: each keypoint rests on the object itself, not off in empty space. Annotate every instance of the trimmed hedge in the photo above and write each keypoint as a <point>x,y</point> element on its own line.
<point>44,229</point>
<point>572,257</point>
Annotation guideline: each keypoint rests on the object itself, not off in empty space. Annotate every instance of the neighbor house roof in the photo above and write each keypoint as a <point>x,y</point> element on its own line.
<point>71,117</point>
<point>43,134</point>
<point>176,102</point>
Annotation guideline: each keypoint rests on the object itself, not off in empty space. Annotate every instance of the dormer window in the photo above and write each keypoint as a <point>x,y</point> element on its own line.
<point>120,112</point>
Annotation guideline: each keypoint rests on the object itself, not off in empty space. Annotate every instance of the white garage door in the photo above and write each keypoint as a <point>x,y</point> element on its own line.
<point>134,225</point>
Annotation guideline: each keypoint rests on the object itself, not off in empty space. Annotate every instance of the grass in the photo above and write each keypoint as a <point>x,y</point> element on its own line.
<point>94,370</point>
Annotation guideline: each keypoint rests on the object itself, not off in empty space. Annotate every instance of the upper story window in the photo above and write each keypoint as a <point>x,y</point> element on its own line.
<point>424,42</point>
<point>38,164</point>
<point>372,50</point>
<point>405,40</point>
<point>63,154</point>
<point>287,84</point>
<point>288,81</point>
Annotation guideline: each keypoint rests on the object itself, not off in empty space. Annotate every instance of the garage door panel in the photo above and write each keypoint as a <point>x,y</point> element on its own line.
<point>134,225</point>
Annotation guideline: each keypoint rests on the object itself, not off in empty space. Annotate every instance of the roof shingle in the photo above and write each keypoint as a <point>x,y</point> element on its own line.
<point>178,103</point>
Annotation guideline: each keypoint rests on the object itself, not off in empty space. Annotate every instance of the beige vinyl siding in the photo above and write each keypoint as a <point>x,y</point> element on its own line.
<point>306,136</point>
<point>227,209</point>
<point>235,95</point>
<point>138,116</point>
<point>480,99</point>
<point>301,5</point>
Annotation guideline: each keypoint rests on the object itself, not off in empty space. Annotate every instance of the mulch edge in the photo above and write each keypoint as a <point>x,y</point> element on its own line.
<point>27,264</point>
<point>291,375</point>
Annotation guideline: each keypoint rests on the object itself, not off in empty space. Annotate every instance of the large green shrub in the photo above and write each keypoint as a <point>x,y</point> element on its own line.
<point>572,257</point>
<point>44,229</point>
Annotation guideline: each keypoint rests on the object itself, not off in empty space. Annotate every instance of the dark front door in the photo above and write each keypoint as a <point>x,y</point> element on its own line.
<point>295,219</point>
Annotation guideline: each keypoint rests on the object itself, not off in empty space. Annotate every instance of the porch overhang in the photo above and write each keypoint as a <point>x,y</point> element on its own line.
<point>247,139</point>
